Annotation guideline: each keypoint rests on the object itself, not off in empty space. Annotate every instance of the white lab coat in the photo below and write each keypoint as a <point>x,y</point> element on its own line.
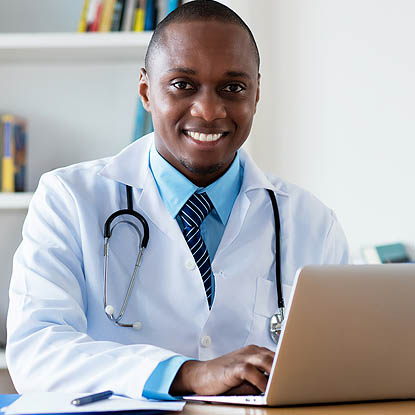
<point>58,334</point>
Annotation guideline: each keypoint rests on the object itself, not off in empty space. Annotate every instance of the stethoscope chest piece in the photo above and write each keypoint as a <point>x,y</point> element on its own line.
<point>275,325</point>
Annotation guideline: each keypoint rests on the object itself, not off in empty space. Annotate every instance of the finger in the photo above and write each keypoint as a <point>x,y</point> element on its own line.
<point>261,358</point>
<point>252,349</point>
<point>251,374</point>
<point>244,388</point>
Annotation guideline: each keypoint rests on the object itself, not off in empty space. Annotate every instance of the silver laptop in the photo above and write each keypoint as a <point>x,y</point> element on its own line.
<point>349,336</point>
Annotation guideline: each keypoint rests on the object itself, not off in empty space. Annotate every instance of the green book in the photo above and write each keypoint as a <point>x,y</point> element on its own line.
<point>386,254</point>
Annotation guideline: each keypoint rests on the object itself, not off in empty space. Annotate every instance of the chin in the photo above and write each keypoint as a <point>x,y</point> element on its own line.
<point>200,169</point>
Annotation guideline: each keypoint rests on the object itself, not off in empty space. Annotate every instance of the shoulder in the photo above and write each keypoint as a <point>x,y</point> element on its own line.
<point>80,175</point>
<point>300,198</point>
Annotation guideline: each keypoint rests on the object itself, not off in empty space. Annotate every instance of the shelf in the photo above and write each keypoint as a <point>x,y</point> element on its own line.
<point>15,200</point>
<point>41,47</point>
<point>3,364</point>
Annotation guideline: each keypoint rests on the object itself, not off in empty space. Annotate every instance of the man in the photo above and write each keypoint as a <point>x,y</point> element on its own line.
<point>198,311</point>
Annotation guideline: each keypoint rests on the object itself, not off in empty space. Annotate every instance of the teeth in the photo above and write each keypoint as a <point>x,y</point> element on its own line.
<point>203,136</point>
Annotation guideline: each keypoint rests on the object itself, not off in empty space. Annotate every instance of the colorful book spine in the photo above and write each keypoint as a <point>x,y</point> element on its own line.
<point>13,153</point>
<point>386,254</point>
<point>128,20</point>
<point>143,122</point>
<point>123,15</point>
<point>117,16</point>
<point>82,20</point>
<point>91,14</point>
<point>95,16</point>
<point>171,5</point>
<point>7,162</point>
<point>1,151</point>
<point>150,15</point>
<point>139,16</point>
<point>106,16</point>
<point>20,156</point>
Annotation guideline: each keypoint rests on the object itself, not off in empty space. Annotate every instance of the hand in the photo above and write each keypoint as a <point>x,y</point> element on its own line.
<point>244,371</point>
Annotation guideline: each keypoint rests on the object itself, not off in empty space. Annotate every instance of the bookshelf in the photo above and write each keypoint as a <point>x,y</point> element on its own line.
<point>41,47</point>
<point>10,201</point>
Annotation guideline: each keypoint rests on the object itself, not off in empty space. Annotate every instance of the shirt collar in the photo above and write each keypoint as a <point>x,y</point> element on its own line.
<point>175,189</point>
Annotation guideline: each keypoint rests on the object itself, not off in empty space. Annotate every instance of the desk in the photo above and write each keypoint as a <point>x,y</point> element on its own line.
<point>378,408</point>
<point>373,408</point>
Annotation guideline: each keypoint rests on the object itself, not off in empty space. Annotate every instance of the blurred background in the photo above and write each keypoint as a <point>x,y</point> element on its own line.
<point>336,115</point>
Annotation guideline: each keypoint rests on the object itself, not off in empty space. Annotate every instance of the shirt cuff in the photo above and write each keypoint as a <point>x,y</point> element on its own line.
<point>159,382</point>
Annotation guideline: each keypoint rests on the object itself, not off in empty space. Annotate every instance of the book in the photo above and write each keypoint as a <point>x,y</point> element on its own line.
<point>93,27</point>
<point>123,15</point>
<point>139,16</point>
<point>129,14</point>
<point>13,153</point>
<point>7,159</point>
<point>117,16</point>
<point>386,254</point>
<point>1,152</point>
<point>20,156</point>
<point>171,5</point>
<point>91,14</point>
<point>143,122</point>
<point>106,16</point>
<point>150,15</point>
<point>82,20</point>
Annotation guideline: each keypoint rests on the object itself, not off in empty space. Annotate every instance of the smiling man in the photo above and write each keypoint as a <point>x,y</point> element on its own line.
<point>195,318</point>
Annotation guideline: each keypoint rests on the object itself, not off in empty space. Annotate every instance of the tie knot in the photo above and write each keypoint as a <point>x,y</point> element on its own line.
<point>195,210</point>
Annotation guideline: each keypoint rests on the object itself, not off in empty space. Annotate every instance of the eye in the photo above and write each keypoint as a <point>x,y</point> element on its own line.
<point>182,85</point>
<point>235,88</point>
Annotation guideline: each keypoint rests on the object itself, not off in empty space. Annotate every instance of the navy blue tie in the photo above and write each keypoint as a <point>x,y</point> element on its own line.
<point>193,213</point>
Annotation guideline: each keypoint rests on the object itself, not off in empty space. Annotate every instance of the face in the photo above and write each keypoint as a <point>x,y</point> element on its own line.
<point>202,88</point>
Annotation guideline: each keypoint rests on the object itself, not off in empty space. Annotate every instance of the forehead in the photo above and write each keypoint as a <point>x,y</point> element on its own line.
<point>206,45</point>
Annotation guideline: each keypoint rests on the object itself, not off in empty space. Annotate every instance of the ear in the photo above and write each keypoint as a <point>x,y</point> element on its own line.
<point>143,89</point>
<point>257,91</point>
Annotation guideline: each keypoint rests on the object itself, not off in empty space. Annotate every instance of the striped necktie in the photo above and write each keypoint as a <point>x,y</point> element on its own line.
<point>192,214</point>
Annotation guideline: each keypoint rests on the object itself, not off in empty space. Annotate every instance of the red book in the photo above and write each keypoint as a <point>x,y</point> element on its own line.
<point>95,24</point>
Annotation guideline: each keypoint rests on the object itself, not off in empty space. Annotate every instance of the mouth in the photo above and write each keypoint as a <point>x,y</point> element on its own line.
<point>204,137</point>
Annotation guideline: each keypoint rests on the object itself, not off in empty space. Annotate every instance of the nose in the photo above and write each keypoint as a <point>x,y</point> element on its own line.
<point>208,105</point>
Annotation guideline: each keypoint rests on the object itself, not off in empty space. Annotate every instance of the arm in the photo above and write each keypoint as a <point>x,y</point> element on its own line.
<point>335,248</point>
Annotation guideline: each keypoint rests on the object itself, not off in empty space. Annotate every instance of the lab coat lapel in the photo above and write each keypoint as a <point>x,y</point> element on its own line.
<point>151,203</point>
<point>131,167</point>
<point>253,179</point>
<point>235,222</point>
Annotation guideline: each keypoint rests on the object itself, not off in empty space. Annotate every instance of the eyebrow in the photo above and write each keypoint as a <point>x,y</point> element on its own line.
<point>231,74</point>
<point>187,71</point>
<point>234,74</point>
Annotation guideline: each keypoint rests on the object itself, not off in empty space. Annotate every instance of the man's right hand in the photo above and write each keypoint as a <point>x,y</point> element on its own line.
<point>244,371</point>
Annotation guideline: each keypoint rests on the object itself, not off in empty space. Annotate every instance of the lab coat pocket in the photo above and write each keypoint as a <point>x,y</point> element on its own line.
<point>265,307</point>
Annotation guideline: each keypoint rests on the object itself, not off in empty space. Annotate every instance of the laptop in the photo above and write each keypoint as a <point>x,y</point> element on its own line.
<point>349,335</point>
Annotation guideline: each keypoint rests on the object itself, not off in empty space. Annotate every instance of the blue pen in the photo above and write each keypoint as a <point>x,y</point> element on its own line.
<point>91,398</point>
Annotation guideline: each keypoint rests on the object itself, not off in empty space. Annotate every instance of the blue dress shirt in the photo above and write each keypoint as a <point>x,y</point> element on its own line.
<point>175,189</point>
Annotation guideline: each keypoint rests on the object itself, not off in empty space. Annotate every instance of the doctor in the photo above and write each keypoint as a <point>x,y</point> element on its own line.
<point>192,334</point>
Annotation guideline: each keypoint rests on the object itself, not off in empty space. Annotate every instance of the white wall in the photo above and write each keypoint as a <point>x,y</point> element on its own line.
<point>17,16</point>
<point>339,114</point>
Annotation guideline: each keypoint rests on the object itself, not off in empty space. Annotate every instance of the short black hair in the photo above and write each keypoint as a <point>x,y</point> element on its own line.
<point>198,10</point>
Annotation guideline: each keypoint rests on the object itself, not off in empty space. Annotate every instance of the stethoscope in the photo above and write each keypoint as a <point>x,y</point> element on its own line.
<point>275,321</point>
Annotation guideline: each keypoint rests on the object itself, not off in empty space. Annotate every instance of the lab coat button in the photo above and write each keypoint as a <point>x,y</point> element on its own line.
<point>206,341</point>
<point>190,264</point>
